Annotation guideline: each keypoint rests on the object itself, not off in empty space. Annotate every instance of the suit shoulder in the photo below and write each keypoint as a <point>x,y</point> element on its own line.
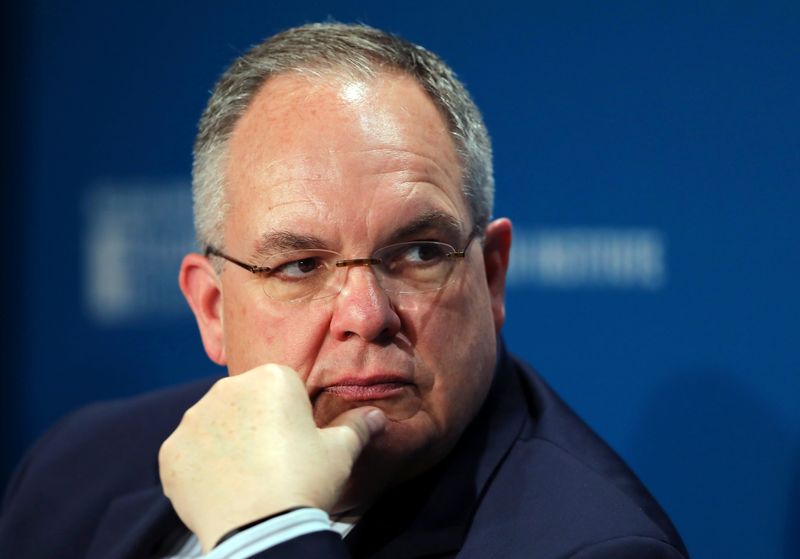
<point>630,546</point>
<point>143,416</point>
<point>121,435</point>
<point>571,472</point>
<point>154,400</point>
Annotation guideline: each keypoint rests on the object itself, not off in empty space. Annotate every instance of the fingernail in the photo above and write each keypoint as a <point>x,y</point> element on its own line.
<point>376,421</point>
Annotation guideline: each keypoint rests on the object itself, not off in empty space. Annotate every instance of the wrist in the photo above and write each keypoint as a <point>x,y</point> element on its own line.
<point>230,533</point>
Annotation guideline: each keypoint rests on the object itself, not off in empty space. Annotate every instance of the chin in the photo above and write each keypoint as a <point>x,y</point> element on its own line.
<point>404,450</point>
<point>401,452</point>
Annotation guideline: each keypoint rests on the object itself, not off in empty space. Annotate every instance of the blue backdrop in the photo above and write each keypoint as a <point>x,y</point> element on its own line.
<point>648,155</point>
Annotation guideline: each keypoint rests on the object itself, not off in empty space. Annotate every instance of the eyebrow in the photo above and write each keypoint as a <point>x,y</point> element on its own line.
<point>431,220</point>
<point>273,242</point>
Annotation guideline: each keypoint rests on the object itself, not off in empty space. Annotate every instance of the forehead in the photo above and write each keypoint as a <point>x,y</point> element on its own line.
<point>352,154</point>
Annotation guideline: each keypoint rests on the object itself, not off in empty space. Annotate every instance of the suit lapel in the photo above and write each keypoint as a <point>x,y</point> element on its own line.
<point>430,515</point>
<point>134,525</point>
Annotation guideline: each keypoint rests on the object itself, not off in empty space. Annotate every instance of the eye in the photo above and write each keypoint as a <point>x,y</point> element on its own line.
<point>415,255</point>
<point>424,252</point>
<point>297,269</point>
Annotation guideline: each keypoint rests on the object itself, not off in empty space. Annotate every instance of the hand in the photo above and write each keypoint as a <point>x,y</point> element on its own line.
<point>249,448</point>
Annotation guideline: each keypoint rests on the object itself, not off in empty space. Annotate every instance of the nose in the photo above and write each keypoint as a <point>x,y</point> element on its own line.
<point>363,308</point>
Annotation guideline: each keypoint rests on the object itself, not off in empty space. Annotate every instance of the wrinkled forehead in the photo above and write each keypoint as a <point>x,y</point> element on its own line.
<point>334,148</point>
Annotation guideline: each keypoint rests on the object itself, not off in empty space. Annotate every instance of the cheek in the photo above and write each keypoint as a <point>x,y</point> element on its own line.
<point>457,344</point>
<point>256,334</point>
<point>461,381</point>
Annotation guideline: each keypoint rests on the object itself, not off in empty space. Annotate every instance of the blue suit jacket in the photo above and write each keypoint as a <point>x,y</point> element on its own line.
<point>527,479</point>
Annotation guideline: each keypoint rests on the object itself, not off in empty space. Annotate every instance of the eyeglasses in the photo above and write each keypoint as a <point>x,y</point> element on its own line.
<point>299,275</point>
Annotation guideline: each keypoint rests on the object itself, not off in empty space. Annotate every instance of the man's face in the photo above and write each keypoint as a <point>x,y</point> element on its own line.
<point>355,166</point>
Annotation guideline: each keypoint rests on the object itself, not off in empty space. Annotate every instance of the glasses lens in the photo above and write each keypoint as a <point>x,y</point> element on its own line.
<point>415,267</point>
<point>300,275</point>
<point>412,267</point>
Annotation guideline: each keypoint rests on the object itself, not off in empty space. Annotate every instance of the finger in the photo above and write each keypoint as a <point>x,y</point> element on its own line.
<point>282,383</point>
<point>352,430</point>
<point>276,373</point>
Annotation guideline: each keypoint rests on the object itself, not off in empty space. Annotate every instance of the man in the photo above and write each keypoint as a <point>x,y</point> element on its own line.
<point>353,285</point>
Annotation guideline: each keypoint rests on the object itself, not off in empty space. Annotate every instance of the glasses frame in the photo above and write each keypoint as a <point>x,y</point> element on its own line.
<point>345,263</point>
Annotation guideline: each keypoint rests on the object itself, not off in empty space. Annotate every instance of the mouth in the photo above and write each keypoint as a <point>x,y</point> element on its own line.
<point>373,387</point>
<point>396,394</point>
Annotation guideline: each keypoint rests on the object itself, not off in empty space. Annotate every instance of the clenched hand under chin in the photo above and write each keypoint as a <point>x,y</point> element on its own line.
<point>250,448</point>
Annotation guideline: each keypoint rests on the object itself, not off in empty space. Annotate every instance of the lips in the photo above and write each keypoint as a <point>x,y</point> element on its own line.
<point>357,392</point>
<point>392,391</point>
<point>375,387</point>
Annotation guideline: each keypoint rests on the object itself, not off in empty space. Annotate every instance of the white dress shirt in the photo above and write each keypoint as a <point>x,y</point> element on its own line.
<point>267,534</point>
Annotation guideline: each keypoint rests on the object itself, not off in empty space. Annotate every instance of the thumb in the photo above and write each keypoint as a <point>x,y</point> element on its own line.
<point>351,431</point>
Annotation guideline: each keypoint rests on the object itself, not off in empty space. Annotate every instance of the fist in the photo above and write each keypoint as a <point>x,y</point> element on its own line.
<point>250,448</point>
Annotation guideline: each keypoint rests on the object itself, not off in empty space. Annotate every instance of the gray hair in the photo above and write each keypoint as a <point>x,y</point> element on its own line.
<point>318,49</point>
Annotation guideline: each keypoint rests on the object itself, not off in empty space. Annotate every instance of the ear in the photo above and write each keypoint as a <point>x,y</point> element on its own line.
<point>496,252</point>
<point>200,285</point>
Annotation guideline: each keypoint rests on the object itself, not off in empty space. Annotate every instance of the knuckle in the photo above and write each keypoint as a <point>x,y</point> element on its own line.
<point>165,451</point>
<point>277,377</point>
<point>273,371</point>
<point>222,387</point>
<point>189,416</point>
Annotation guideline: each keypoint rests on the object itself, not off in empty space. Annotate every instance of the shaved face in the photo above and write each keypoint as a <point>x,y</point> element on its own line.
<point>352,165</point>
